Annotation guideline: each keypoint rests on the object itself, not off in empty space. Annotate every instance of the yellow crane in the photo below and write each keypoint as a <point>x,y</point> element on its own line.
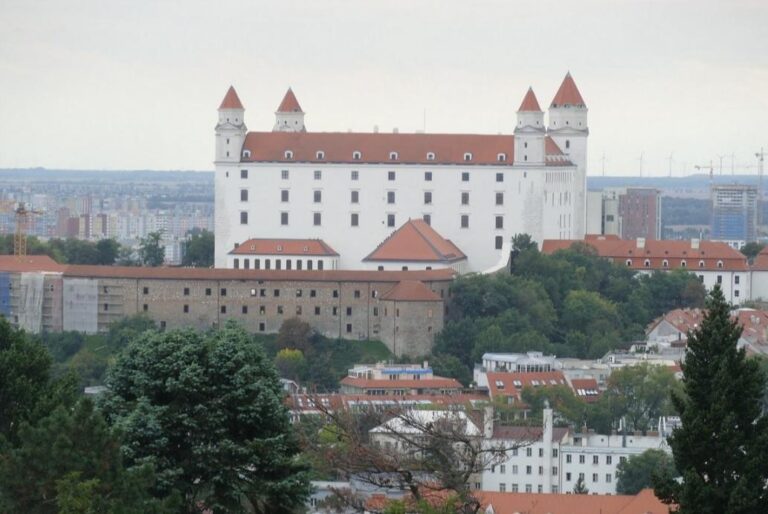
<point>23,216</point>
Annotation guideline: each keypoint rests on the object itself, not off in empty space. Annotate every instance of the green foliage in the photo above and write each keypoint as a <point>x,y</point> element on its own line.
<point>290,363</point>
<point>446,365</point>
<point>721,449</point>
<point>107,250</point>
<point>752,249</point>
<point>207,411</point>
<point>297,334</point>
<point>198,249</point>
<point>637,472</point>
<point>151,251</point>
<point>580,487</point>
<point>560,398</point>
<point>70,461</point>
<point>68,251</point>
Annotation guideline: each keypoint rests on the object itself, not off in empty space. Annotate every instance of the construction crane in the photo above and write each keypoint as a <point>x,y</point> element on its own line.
<point>23,215</point>
<point>711,171</point>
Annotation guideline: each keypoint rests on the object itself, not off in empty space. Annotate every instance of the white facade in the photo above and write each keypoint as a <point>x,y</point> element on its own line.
<point>353,206</point>
<point>282,262</point>
<point>512,363</point>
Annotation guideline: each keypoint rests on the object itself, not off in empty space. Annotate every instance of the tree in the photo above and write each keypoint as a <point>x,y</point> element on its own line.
<point>151,252</point>
<point>108,250</point>
<point>750,250</point>
<point>523,242</point>
<point>198,250</point>
<point>290,363</point>
<point>580,487</point>
<point>70,462</point>
<point>721,448</point>
<point>207,411</point>
<point>445,365</point>
<point>296,334</point>
<point>636,473</point>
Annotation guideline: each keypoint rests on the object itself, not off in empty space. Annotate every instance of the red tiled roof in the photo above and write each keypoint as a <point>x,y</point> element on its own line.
<point>10,263</point>
<point>231,100</point>
<point>530,103</point>
<point>338,147</point>
<point>705,257</point>
<point>568,94</point>
<point>754,323</point>
<point>427,383</point>
<point>644,502</point>
<point>416,240</point>
<point>761,260</point>
<point>13,264</point>
<point>257,246</point>
<point>411,291</point>
<point>586,389</point>
<point>503,384</point>
<point>289,103</point>
<point>307,402</point>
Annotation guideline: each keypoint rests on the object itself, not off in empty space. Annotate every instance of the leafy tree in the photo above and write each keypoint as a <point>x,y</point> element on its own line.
<point>198,250</point>
<point>445,365</point>
<point>721,449</point>
<point>151,251</point>
<point>27,391</point>
<point>636,473</point>
<point>523,242</point>
<point>207,411</point>
<point>580,487</point>
<point>107,250</point>
<point>560,398</point>
<point>126,257</point>
<point>295,333</point>
<point>290,363</point>
<point>71,462</point>
<point>752,249</point>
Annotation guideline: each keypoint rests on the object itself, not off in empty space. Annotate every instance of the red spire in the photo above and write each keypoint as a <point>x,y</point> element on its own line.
<point>568,94</point>
<point>289,103</point>
<point>530,103</point>
<point>231,100</point>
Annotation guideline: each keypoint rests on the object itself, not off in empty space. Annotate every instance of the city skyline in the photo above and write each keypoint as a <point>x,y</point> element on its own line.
<point>657,82</point>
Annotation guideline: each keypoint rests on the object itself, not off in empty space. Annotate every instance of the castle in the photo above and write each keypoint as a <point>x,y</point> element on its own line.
<point>352,191</point>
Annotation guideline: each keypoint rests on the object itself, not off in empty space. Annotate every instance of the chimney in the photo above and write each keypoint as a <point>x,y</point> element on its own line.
<point>375,129</point>
<point>395,130</point>
<point>488,421</point>
<point>641,242</point>
<point>695,244</point>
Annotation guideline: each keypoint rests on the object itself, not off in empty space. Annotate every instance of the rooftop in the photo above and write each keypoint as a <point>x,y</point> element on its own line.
<point>644,502</point>
<point>416,241</point>
<point>313,247</point>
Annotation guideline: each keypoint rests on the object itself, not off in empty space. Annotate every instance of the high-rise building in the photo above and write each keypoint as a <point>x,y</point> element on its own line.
<point>629,213</point>
<point>734,214</point>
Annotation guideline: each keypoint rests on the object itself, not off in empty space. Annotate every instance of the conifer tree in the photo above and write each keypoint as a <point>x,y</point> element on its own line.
<point>721,449</point>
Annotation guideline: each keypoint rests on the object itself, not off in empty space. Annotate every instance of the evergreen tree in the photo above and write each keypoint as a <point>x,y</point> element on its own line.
<point>151,251</point>
<point>580,487</point>
<point>207,411</point>
<point>721,449</point>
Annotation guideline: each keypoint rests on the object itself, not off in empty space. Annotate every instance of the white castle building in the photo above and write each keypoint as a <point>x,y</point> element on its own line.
<point>353,190</point>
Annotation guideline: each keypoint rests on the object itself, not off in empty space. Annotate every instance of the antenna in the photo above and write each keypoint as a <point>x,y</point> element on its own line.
<point>671,155</point>
<point>603,161</point>
<point>721,163</point>
<point>641,163</point>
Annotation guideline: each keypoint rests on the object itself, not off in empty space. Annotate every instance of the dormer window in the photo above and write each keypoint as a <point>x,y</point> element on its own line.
<point>647,263</point>
<point>719,264</point>
<point>701,264</point>
<point>320,155</point>
<point>246,154</point>
<point>392,156</point>
<point>501,157</point>
<point>683,264</point>
<point>289,154</point>
<point>467,156</point>
<point>430,156</point>
<point>356,155</point>
<point>665,263</point>
<point>629,262</point>
<point>279,248</point>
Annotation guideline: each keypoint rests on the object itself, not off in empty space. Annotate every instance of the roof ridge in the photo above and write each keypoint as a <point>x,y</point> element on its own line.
<point>426,239</point>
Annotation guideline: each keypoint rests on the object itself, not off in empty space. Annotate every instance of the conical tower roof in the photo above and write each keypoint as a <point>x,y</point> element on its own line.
<point>231,100</point>
<point>289,103</point>
<point>530,103</point>
<point>568,94</point>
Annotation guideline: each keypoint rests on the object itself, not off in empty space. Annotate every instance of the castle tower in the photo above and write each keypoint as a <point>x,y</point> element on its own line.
<point>231,129</point>
<point>289,117</point>
<point>529,132</point>
<point>568,128</point>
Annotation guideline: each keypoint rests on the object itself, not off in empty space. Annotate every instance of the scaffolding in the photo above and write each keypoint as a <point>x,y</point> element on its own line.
<point>80,309</point>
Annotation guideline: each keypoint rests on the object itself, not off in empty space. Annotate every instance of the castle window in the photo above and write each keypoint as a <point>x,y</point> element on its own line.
<point>719,264</point>
<point>683,264</point>
<point>701,264</point>
<point>354,175</point>
<point>390,220</point>
<point>525,145</point>
<point>283,219</point>
<point>247,154</point>
<point>428,176</point>
<point>354,219</point>
<point>356,155</point>
<point>501,157</point>
<point>243,195</point>
<point>499,177</point>
<point>499,222</point>
<point>243,173</point>
<point>284,174</point>
<point>647,263</point>
<point>243,218</point>
<point>355,196</point>
<point>498,242</point>
<point>465,176</point>
<point>567,144</point>
<point>392,156</point>
<point>629,262</point>
<point>465,221</point>
<point>317,196</point>
<point>467,156</point>
<point>499,198</point>
<point>320,155</point>
<point>464,198</point>
<point>318,175</point>
<point>427,219</point>
<point>288,154</point>
<point>427,197</point>
<point>430,156</point>
<point>525,157</point>
<point>316,219</point>
<point>390,197</point>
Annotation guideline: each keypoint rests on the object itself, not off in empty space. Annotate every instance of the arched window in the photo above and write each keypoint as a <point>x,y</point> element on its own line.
<point>467,156</point>
<point>356,155</point>
<point>647,263</point>
<point>247,154</point>
<point>629,262</point>
<point>683,264</point>
<point>430,156</point>
<point>665,263</point>
<point>320,155</point>
<point>719,264</point>
<point>392,156</point>
<point>289,154</point>
<point>501,157</point>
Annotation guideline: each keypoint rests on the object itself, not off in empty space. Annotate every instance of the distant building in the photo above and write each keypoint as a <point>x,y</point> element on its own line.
<point>629,213</point>
<point>397,380</point>
<point>734,214</point>
<point>287,254</point>
<point>511,363</point>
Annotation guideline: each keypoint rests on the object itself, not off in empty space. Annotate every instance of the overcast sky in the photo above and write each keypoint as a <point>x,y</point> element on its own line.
<point>112,84</point>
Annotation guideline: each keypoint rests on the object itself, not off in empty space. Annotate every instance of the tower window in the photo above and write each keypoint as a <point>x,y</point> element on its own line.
<point>243,218</point>
<point>284,174</point>
<point>354,175</point>
<point>499,198</point>
<point>243,195</point>
<point>390,197</point>
<point>318,174</point>
<point>284,195</point>
<point>284,218</point>
<point>317,196</point>
<point>354,219</point>
<point>465,176</point>
<point>464,198</point>
<point>467,156</point>
<point>428,176</point>
<point>356,155</point>
<point>392,156</point>
<point>465,221</point>
<point>355,196</point>
<point>499,177</point>
<point>243,173</point>
<point>499,222</point>
<point>391,175</point>
<point>525,145</point>
<point>316,219</point>
<point>288,154</point>
<point>320,155</point>
<point>427,197</point>
<point>567,144</point>
<point>390,220</point>
<point>498,242</point>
